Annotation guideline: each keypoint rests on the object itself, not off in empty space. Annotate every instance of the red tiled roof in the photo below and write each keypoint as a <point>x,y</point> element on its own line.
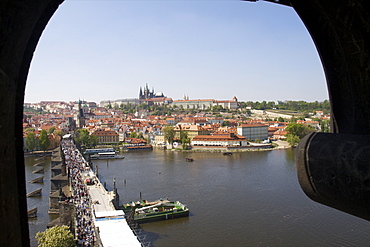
<point>105,133</point>
<point>193,100</point>
<point>253,125</point>
<point>226,137</point>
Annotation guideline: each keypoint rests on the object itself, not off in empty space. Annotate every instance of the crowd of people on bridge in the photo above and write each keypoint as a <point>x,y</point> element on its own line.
<point>78,169</point>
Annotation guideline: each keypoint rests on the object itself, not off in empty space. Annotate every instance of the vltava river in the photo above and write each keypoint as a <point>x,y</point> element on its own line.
<point>247,199</point>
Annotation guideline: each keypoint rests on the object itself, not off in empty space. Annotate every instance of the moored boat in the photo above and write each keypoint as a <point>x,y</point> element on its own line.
<point>139,147</point>
<point>145,211</point>
<point>189,159</point>
<point>228,153</point>
<point>106,155</point>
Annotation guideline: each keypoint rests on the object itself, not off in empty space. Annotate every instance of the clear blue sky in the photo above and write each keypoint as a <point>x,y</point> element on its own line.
<point>100,50</point>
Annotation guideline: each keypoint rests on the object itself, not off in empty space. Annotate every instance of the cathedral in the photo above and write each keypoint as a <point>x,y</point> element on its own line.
<point>147,94</point>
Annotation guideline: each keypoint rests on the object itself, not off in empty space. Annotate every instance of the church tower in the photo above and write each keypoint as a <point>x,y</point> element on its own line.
<point>141,96</point>
<point>80,116</point>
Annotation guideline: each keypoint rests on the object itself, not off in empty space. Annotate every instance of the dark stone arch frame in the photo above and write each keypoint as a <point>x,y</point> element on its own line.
<point>21,25</point>
<point>340,30</point>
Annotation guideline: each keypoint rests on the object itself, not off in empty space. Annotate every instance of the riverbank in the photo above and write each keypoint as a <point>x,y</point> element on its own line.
<point>281,144</point>
<point>276,145</point>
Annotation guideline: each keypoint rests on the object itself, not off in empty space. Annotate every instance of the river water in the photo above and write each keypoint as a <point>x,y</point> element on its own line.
<point>42,202</point>
<point>246,199</point>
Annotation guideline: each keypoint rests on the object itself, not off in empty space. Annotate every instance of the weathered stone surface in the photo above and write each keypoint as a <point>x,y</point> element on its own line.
<point>341,32</point>
<point>333,169</point>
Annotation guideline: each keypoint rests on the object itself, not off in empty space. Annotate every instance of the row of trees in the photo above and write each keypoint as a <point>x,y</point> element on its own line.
<point>43,141</point>
<point>301,106</point>
<point>32,142</point>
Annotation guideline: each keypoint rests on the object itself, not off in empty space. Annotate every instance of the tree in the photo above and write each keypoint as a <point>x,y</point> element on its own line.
<point>51,130</point>
<point>142,106</point>
<point>57,236</point>
<point>293,120</point>
<point>140,135</point>
<point>169,134</point>
<point>93,141</point>
<point>184,138</point>
<point>44,140</point>
<point>217,108</point>
<point>31,141</point>
<point>297,129</point>
<point>82,137</point>
<point>59,133</point>
<point>325,125</point>
<point>133,135</point>
<point>226,123</point>
<point>296,132</point>
<point>293,140</point>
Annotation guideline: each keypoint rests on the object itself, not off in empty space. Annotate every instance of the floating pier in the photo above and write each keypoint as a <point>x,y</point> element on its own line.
<point>35,193</point>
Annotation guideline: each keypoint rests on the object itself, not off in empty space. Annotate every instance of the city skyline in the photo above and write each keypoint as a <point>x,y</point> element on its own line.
<point>107,50</point>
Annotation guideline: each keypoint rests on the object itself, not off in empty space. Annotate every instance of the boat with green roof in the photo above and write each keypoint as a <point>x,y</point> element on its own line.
<point>144,211</point>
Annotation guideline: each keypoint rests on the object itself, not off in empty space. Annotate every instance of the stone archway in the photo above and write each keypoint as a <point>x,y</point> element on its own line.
<point>334,169</point>
<point>341,32</point>
<point>21,25</point>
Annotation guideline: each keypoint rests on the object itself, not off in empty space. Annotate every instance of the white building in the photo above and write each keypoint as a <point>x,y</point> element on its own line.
<point>227,104</point>
<point>253,131</point>
<point>193,104</point>
<point>219,139</point>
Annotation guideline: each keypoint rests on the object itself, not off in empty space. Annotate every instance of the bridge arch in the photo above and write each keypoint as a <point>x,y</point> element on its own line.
<point>340,30</point>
